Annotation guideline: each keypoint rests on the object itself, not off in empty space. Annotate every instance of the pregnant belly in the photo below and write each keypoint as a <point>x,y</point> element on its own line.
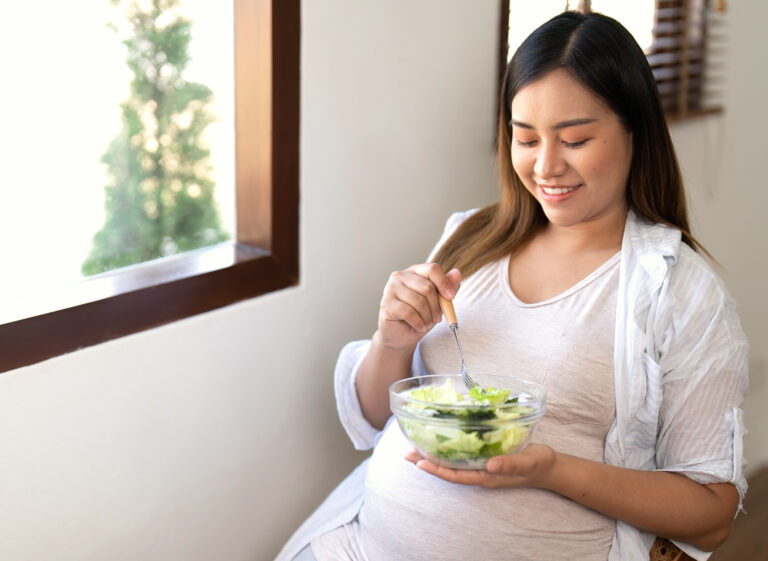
<point>410,514</point>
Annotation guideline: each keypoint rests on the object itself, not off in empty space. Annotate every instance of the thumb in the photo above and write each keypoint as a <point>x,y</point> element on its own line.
<point>454,276</point>
<point>495,465</point>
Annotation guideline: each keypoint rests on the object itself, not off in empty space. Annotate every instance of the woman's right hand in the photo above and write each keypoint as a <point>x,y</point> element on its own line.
<point>410,308</point>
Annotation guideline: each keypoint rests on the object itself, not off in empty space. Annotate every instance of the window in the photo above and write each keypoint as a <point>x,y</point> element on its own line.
<point>682,39</point>
<point>263,255</point>
<point>685,56</point>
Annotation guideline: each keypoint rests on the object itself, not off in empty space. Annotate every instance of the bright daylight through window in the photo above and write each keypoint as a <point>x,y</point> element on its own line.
<point>118,136</point>
<point>635,15</point>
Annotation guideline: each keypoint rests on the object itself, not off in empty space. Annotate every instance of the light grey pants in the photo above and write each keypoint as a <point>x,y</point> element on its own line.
<point>305,554</point>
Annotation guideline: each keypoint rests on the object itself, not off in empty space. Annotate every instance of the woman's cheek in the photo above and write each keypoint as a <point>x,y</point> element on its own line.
<point>521,163</point>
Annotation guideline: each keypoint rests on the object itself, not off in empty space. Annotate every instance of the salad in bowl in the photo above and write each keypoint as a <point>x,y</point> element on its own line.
<point>462,428</point>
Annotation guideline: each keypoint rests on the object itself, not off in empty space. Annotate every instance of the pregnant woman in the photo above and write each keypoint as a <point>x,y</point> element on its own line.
<point>585,278</point>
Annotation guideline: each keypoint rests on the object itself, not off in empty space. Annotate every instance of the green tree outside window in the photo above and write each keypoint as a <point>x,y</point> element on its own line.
<point>159,198</point>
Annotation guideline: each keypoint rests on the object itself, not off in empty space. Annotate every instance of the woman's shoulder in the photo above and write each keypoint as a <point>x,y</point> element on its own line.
<point>698,298</point>
<point>693,263</point>
<point>660,250</point>
<point>693,291</point>
<point>454,221</point>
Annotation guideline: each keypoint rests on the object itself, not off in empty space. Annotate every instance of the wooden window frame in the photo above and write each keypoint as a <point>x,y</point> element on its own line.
<point>265,254</point>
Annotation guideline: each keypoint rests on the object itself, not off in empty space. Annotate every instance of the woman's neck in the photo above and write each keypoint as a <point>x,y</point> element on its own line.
<point>603,234</point>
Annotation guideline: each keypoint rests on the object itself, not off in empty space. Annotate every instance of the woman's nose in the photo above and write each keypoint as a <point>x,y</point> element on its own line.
<point>549,161</point>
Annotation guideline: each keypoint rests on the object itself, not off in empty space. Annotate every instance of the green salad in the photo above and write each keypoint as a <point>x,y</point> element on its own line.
<point>464,427</point>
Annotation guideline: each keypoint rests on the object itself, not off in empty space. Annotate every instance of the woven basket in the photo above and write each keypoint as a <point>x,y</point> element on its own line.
<point>665,550</point>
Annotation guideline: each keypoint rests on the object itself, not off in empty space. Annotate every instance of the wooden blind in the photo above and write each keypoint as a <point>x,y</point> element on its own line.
<point>685,54</point>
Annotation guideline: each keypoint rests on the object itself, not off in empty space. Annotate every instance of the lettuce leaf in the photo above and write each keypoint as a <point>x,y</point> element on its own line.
<point>489,395</point>
<point>444,394</point>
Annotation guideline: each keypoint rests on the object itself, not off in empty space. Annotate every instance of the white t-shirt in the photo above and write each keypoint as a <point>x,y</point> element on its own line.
<point>566,344</point>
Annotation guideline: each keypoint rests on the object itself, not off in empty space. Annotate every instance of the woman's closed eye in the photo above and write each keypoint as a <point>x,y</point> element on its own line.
<point>575,144</point>
<point>528,143</point>
<point>531,143</point>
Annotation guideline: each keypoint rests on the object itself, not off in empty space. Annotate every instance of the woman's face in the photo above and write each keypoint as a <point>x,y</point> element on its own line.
<point>571,151</point>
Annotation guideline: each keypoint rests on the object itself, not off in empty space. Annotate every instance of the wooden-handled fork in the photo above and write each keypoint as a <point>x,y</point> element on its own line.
<point>450,316</point>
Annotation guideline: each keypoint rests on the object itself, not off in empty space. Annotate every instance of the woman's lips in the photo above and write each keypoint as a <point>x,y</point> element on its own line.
<point>557,191</point>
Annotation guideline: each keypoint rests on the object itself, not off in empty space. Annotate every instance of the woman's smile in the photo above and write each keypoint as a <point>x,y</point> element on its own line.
<point>557,192</point>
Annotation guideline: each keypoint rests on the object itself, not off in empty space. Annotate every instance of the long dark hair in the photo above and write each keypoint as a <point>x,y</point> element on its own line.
<point>601,54</point>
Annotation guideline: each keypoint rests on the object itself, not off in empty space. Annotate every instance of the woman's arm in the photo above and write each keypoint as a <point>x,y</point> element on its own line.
<point>380,368</point>
<point>409,309</point>
<point>659,502</point>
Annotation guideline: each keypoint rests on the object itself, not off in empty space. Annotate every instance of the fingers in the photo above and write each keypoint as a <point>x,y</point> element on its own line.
<point>477,477</point>
<point>419,292</point>
<point>495,465</point>
<point>461,476</point>
<point>533,463</point>
<point>501,471</point>
<point>445,285</point>
<point>407,298</point>
<point>411,295</point>
<point>413,456</point>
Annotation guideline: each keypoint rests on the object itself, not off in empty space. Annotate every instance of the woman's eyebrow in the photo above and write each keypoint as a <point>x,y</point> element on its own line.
<point>557,126</point>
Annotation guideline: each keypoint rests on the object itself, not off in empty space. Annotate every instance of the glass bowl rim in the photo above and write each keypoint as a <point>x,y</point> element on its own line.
<point>538,401</point>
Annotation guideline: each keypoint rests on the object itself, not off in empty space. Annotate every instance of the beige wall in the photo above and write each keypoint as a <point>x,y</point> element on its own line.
<point>171,444</point>
<point>180,443</point>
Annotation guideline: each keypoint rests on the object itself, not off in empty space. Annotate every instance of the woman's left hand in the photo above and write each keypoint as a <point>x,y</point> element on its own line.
<point>530,467</point>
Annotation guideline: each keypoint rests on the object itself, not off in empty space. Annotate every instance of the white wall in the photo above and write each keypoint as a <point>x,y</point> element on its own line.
<point>213,437</point>
<point>171,444</point>
<point>723,160</point>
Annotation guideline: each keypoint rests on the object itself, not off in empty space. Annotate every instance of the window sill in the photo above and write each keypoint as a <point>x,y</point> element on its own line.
<point>130,300</point>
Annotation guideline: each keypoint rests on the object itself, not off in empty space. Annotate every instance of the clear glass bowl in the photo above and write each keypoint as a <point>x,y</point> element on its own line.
<point>466,434</point>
